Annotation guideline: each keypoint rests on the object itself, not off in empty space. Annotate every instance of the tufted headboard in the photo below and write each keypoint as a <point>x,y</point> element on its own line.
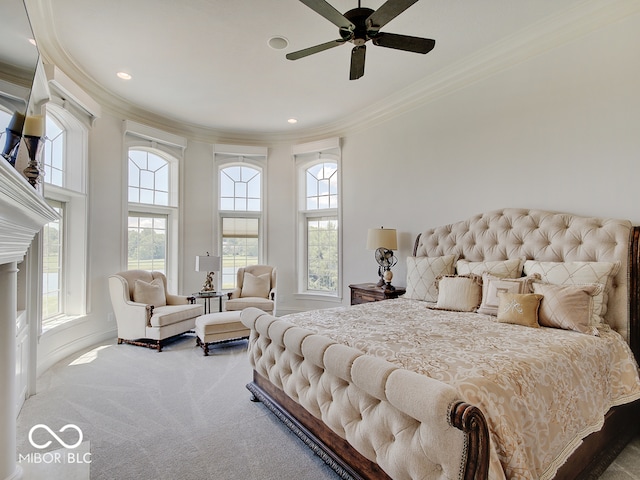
<point>544,236</point>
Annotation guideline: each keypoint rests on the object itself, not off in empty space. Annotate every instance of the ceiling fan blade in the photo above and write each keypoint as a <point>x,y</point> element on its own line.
<point>315,49</point>
<point>404,42</point>
<point>327,11</point>
<point>357,62</point>
<point>387,12</point>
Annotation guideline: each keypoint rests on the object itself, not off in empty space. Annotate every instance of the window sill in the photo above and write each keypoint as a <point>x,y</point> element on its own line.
<point>323,297</point>
<point>61,322</point>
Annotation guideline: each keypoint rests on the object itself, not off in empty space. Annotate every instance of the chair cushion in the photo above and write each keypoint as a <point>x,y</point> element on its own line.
<point>170,314</point>
<point>245,302</point>
<point>256,286</point>
<point>149,293</point>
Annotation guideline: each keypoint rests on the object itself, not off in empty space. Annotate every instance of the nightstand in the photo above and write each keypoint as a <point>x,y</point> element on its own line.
<point>369,292</point>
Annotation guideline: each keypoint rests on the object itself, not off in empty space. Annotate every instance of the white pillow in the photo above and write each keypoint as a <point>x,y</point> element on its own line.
<point>422,273</point>
<point>578,273</point>
<point>459,293</point>
<point>256,286</point>
<point>498,268</point>
<point>149,293</point>
<point>493,286</point>
<point>567,306</point>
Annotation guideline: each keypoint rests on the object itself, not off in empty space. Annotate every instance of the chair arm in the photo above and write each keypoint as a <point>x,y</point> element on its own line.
<point>235,293</point>
<point>131,317</point>
<point>179,299</point>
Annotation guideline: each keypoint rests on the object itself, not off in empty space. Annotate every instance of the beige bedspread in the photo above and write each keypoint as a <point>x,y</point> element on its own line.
<point>541,389</point>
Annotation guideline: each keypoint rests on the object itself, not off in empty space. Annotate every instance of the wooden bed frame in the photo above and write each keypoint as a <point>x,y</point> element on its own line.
<point>589,461</point>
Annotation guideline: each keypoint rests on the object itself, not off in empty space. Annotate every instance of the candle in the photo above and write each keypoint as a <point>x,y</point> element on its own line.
<point>16,123</point>
<point>34,126</point>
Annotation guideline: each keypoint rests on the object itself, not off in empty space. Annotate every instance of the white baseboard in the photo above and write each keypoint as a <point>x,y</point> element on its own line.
<point>61,346</point>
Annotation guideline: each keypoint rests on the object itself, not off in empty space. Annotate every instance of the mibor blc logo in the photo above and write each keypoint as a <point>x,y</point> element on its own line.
<point>56,456</point>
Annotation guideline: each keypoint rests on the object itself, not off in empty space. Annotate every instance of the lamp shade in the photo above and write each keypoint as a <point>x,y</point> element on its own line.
<point>382,238</point>
<point>207,264</point>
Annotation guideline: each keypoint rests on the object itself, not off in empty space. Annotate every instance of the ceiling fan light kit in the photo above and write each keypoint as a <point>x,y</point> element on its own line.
<point>360,25</point>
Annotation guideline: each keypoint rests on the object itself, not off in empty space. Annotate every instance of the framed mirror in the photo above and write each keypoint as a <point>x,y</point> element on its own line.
<point>18,63</point>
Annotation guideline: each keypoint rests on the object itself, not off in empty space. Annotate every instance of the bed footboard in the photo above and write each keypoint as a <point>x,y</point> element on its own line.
<point>364,416</point>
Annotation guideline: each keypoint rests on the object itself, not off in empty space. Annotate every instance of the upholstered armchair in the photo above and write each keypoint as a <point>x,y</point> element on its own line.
<point>146,314</point>
<point>255,287</point>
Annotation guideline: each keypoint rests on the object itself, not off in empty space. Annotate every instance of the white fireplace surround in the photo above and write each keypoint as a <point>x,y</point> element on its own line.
<point>23,213</point>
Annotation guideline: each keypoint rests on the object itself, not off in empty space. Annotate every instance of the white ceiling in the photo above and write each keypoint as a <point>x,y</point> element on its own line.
<point>207,63</point>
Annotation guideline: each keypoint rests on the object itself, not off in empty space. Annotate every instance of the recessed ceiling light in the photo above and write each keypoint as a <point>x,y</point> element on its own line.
<point>292,121</point>
<point>32,41</point>
<point>278,42</point>
<point>123,75</point>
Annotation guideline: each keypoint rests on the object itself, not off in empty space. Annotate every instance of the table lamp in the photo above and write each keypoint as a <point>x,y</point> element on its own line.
<point>383,241</point>
<point>210,265</point>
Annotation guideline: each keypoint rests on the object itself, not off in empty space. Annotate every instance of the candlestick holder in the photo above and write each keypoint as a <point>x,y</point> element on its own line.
<point>33,172</point>
<point>10,151</point>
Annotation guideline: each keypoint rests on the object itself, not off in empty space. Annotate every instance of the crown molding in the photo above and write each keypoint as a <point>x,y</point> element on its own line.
<point>552,32</point>
<point>535,40</point>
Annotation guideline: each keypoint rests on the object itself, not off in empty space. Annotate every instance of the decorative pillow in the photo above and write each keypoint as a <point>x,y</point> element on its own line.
<point>149,293</point>
<point>567,306</point>
<point>578,273</point>
<point>519,308</point>
<point>422,273</point>
<point>499,268</point>
<point>256,286</point>
<point>459,293</point>
<point>491,286</point>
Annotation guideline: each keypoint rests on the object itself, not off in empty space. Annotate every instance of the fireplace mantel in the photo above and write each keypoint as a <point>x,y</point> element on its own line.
<point>23,213</point>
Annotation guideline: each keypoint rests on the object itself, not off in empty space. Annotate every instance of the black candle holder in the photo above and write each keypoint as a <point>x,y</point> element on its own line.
<point>33,172</point>
<point>10,151</point>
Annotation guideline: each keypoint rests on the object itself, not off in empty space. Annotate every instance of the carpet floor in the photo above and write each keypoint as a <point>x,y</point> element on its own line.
<point>171,415</point>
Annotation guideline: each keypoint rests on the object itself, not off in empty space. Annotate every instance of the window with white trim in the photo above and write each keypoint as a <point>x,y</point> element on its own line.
<point>148,218</point>
<point>240,216</point>
<point>54,152</point>
<point>153,166</point>
<point>64,241</point>
<point>148,178</point>
<point>52,261</point>
<point>240,208</point>
<point>319,246</point>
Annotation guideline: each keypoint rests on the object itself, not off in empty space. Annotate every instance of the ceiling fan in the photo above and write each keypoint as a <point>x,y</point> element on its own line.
<point>360,25</point>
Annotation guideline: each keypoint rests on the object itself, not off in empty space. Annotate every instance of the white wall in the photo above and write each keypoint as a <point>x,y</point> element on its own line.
<point>559,132</point>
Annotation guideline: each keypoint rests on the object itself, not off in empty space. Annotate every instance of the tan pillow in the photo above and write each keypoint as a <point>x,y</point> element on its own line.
<point>499,268</point>
<point>459,293</point>
<point>256,286</point>
<point>578,273</point>
<point>491,286</point>
<point>519,308</point>
<point>422,273</point>
<point>149,293</point>
<point>567,306</point>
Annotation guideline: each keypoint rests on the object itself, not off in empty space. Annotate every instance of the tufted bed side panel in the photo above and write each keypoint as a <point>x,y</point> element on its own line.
<point>396,418</point>
<point>543,236</point>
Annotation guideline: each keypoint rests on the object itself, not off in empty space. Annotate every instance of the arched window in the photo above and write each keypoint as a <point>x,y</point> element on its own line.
<point>240,207</point>
<point>320,217</point>
<point>54,143</point>
<point>64,251</point>
<point>149,185</point>
<point>319,242</point>
<point>148,178</point>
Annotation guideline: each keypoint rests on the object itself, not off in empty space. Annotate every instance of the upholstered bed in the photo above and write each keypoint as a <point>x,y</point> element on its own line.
<point>453,380</point>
